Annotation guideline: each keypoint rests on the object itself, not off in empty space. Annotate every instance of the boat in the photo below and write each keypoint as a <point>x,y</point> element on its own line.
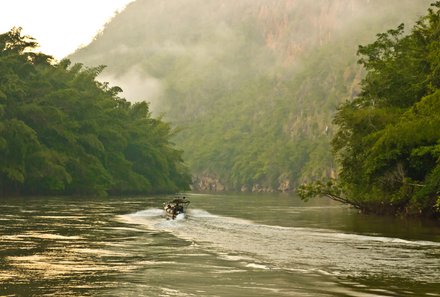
<point>175,207</point>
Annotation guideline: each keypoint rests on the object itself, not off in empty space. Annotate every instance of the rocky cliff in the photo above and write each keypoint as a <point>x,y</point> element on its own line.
<point>253,84</point>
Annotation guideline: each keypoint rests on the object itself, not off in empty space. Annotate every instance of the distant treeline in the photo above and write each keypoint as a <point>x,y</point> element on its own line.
<point>253,83</point>
<point>388,138</point>
<point>63,132</point>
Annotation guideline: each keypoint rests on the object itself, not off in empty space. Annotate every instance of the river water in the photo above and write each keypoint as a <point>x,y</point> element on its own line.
<point>226,245</point>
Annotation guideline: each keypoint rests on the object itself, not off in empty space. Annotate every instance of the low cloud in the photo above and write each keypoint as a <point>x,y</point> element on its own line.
<point>136,85</point>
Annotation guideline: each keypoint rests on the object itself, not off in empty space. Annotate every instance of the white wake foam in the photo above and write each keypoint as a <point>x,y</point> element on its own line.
<point>289,248</point>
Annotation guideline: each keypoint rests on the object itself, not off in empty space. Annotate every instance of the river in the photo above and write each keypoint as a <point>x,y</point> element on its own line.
<point>226,245</point>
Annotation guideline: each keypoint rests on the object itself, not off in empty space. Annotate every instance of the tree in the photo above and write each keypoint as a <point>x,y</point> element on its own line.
<point>63,132</point>
<point>388,139</point>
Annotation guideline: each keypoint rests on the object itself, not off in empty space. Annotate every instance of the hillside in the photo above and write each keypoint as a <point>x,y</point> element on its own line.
<point>253,84</point>
<point>64,133</point>
<point>387,139</point>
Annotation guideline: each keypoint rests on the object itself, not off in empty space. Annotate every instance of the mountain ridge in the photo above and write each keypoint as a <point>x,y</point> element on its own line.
<point>252,84</point>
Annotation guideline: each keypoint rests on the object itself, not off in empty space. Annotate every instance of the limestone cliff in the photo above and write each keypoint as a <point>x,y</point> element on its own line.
<point>253,84</point>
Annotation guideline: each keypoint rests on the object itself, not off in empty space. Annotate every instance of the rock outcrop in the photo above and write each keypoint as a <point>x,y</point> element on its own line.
<point>207,183</point>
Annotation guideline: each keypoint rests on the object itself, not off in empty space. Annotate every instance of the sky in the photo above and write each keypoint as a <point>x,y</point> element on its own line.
<point>59,26</point>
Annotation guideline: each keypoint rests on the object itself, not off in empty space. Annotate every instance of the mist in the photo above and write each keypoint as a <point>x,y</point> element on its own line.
<point>202,31</point>
<point>328,109</point>
<point>136,86</point>
<point>254,83</point>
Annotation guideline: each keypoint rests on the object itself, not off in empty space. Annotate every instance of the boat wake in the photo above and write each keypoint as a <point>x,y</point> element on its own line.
<point>298,249</point>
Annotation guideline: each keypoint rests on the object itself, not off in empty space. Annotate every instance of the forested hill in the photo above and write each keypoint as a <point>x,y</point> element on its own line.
<point>388,138</point>
<point>254,84</point>
<point>63,132</point>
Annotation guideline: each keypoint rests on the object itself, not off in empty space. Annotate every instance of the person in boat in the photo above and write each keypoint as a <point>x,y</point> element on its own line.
<point>179,200</point>
<point>176,206</point>
<point>179,204</point>
<point>171,209</point>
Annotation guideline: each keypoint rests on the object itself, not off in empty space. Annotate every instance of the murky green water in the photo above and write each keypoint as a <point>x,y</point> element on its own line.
<point>266,245</point>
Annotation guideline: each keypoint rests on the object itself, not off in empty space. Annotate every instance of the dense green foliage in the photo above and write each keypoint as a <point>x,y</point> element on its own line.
<point>62,132</point>
<point>388,138</point>
<point>253,83</point>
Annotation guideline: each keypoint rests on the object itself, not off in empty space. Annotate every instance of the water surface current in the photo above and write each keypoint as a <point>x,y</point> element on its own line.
<point>225,245</point>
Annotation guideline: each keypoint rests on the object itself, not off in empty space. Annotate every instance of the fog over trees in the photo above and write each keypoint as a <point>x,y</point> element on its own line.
<point>252,84</point>
<point>63,132</point>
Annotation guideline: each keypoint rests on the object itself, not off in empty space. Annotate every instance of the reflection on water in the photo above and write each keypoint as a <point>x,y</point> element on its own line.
<point>224,246</point>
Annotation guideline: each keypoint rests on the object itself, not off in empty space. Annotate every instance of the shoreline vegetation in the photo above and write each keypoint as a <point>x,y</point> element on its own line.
<point>253,84</point>
<point>388,138</point>
<point>64,133</point>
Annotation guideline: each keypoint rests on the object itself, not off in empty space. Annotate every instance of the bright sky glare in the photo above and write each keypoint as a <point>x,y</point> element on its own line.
<point>59,26</point>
